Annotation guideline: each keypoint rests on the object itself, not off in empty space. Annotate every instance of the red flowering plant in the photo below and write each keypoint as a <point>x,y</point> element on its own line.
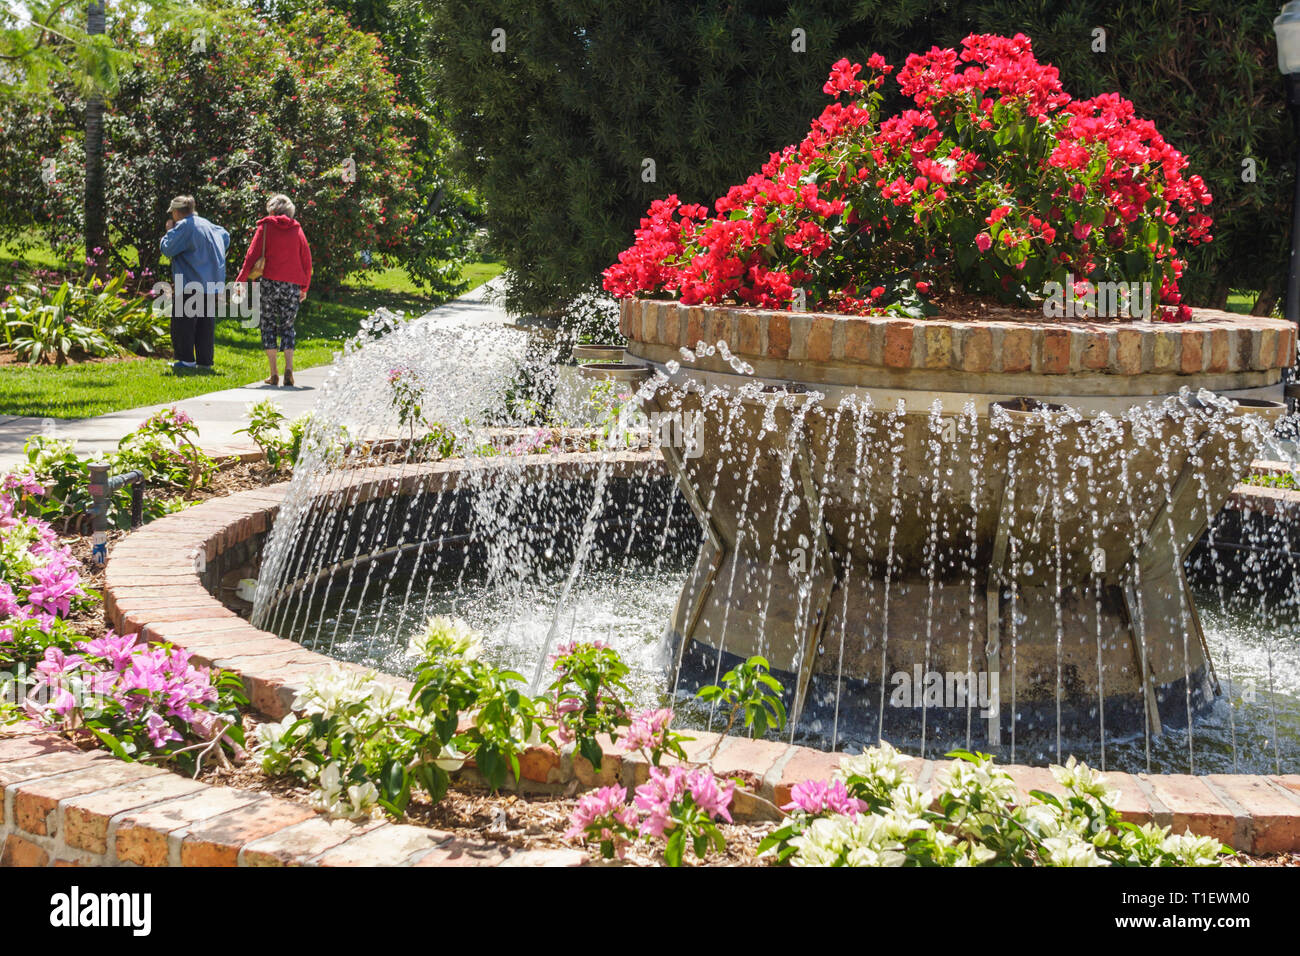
<point>996,183</point>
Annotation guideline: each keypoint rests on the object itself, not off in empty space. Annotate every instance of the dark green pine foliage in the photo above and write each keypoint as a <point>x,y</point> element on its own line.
<point>556,128</point>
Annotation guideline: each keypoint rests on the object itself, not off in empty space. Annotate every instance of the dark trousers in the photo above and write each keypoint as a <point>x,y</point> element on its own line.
<point>194,336</point>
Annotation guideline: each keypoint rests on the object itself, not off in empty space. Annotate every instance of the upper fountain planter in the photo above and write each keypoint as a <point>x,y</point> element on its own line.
<point>885,496</point>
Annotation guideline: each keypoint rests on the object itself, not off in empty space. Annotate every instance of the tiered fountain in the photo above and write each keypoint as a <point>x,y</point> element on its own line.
<point>893,502</point>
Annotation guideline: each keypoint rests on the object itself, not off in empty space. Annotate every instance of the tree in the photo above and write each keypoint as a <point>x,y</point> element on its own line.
<point>307,108</point>
<point>578,113</point>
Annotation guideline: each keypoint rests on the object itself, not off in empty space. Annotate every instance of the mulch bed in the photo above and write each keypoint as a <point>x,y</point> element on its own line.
<point>516,821</point>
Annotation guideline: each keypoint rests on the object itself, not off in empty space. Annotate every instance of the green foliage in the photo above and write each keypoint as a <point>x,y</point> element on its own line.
<point>258,108</point>
<point>363,745</point>
<point>279,439</point>
<point>94,320</point>
<point>588,696</point>
<point>975,820</point>
<point>163,449</point>
<point>562,119</point>
<point>1285,479</point>
<point>748,691</point>
<point>66,502</point>
<point>451,681</point>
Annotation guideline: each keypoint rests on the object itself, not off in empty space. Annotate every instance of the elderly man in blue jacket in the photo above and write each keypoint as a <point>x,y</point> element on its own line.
<point>197,249</point>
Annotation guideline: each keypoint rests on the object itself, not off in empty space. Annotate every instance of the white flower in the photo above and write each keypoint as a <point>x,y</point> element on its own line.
<point>1070,850</point>
<point>1191,850</point>
<point>445,637</point>
<point>1084,781</point>
<point>880,767</point>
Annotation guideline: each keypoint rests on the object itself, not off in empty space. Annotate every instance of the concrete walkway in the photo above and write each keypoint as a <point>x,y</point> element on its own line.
<point>219,414</point>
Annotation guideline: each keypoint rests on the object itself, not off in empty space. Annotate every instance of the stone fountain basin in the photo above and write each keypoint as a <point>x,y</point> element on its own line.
<point>868,512</point>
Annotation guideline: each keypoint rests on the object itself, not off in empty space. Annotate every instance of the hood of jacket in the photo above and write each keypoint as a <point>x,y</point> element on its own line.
<point>287,223</point>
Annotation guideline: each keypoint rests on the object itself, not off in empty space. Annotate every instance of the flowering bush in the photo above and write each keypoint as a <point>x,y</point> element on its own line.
<point>995,182</point>
<point>587,696</point>
<point>679,806</point>
<point>142,701</point>
<point>38,575</point>
<point>362,745</point>
<point>872,814</point>
<point>163,448</point>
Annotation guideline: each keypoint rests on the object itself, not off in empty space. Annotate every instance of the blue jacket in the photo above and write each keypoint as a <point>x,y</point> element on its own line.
<point>197,249</point>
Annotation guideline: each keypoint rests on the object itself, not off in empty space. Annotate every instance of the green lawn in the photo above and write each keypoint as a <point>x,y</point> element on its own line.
<point>95,388</point>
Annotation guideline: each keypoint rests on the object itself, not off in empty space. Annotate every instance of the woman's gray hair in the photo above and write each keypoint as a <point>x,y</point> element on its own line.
<point>280,205</point>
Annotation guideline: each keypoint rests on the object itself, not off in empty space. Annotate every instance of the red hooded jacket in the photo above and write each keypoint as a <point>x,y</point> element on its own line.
<point>288,258</point>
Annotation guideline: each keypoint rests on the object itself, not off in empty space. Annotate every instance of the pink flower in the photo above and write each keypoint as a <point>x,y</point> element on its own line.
<point>649,729</point>
<point>984,241</point>
<point>818,796</point>
<point>53,589</point>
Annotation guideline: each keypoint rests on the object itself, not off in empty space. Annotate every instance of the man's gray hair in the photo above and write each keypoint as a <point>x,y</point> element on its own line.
<point>280,205</point>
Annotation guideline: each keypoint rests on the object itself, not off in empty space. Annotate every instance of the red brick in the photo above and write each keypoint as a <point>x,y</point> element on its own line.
<point>750,757</point>
<point>20,852</point>
<point>1286,348</point>
<point>778,336</point>
<point>977,349</point>
<point>857,339</point>
<point>459,852</point>
<point>819,338</point>
<point>217,841</point>
<point>36,800</point>
<point>1193,352</point>
<point>1218,351</point>
<point>938,346</point>
<point>86,818</point>
<point>1132,804</point>
<point>1096,350</point>
<point>898,344</point>
<point>1275,817</point>
<point>748,334</point>
<point>538,763</point>
<point>695,326</point>
<point>1192,805</point>
<point>26,745</point>
<point>806,764</point>
<point>1017,346</point>
<point>1128,351</point>
<point>142,835</point>
<point>390,845</point>
<point>1056,351</point>
<point>295,845</point>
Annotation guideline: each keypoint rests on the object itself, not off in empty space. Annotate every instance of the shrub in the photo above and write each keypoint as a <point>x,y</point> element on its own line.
<point>872,814</point>
<point>279,439</point>
<point>143,702</point>
<point>163,449</point>
<point>263,107</point>
<point>996,182</point>
<point>362,745</point>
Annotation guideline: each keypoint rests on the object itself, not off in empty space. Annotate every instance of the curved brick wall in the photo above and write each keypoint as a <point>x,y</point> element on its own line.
<point>62,806</point>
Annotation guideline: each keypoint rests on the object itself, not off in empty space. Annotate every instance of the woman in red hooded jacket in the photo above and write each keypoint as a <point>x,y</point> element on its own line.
<point>285,278</point>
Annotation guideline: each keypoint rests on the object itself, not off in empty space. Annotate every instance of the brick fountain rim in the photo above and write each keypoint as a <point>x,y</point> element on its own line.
<point>153,587</point>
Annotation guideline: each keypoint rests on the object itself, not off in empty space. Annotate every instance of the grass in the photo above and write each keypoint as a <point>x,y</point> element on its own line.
<point>96,388</point>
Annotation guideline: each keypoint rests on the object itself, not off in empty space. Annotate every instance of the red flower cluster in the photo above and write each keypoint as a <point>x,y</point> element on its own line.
<point>997,181</point>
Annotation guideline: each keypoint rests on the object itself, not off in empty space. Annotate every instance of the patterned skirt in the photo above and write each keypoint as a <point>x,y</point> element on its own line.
<point>279,309</point>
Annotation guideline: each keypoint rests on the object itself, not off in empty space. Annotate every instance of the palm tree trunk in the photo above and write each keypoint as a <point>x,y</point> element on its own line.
<point>95,226</point>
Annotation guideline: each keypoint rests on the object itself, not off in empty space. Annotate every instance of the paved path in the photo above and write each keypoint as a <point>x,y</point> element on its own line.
<point>219,414</point>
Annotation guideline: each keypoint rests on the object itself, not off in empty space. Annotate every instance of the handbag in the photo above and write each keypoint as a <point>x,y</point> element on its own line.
<point>260,265</point>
